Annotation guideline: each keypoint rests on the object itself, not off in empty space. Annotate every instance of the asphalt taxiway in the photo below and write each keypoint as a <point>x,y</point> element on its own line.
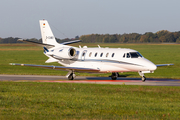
<point>93,80</point>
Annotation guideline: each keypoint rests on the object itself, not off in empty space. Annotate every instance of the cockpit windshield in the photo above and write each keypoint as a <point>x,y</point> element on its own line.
<point>135,54</point>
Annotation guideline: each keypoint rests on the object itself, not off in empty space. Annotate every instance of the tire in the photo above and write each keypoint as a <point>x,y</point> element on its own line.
<point>143,79</point>
<point>70,77</point>
<point>114,76</point>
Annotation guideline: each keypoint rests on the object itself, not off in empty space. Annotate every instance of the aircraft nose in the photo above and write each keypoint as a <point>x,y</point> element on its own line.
<point>152,67</point>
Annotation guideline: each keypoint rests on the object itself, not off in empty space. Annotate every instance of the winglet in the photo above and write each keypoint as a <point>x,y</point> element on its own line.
<point>11,63</point>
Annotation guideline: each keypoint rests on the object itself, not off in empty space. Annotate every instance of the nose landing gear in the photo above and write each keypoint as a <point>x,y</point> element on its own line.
<point>142,75</point>
<point>143,78</point>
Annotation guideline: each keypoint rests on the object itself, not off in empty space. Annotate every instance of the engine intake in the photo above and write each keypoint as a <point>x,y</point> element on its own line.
<point>72,52</point>
<point>65,53</point>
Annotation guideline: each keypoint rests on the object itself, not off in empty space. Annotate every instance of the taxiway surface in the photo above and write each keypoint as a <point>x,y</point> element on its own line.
<point>94,80</point>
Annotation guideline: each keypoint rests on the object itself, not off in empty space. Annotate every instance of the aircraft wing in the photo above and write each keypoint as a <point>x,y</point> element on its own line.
<point>160,65</point>
<point>59,67</point>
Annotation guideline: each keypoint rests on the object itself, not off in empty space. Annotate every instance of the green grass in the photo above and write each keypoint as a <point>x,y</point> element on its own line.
<point>31,100</point>
<point>29,54</point>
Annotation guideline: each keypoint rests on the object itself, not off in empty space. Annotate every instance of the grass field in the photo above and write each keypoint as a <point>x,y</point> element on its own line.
<point>29,54</point>
<point>32,100</point>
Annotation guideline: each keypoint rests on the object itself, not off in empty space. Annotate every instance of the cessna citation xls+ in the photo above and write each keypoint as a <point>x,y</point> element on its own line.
<point>102,60</point>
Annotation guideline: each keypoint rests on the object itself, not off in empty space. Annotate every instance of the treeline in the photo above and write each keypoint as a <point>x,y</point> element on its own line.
<point>149,37</point>
<point>162,36</point>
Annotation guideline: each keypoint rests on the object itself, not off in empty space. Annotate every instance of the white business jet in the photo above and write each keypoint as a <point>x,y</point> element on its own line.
<point>95,60</point>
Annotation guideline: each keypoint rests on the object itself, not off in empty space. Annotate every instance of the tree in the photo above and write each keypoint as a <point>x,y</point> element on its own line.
<point>170,37</point>
<point>162,33</point>
<point>144,38</point>
<point>178,40</point>
<point>162,39</point>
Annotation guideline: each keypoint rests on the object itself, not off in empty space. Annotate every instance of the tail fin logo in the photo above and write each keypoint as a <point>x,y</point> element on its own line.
<point>45,50</point>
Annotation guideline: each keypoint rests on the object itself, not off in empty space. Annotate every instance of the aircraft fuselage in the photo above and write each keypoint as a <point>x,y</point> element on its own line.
<point>104,59</point>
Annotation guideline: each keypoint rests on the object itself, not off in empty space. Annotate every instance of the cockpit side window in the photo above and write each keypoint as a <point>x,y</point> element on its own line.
<point>135,54</point>
<point>124,55</point>
<point>128,55</point>
<point>139,54</point>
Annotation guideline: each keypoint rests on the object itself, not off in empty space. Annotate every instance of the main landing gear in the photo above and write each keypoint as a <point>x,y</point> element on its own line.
<point>114,75</point>
<point>71,75</point>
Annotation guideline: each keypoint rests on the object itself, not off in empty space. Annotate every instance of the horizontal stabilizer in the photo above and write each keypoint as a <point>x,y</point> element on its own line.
<point>50,60</point>
<point>36,43</point>
<point>77,69</point>
<point>70,42</point>
<point>160,65</point>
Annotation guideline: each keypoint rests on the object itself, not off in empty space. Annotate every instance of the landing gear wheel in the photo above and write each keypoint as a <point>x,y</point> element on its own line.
<point>114,76</point>
<point>70,77</point>
<point>143,78</point>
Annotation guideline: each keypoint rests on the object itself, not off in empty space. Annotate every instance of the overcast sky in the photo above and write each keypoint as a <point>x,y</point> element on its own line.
<point>68,18</point>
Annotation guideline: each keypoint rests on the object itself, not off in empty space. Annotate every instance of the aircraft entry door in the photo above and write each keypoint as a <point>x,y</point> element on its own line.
<point>83,55</point>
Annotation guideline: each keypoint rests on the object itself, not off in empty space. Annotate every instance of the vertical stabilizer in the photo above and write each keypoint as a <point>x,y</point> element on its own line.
<point>46,33</point>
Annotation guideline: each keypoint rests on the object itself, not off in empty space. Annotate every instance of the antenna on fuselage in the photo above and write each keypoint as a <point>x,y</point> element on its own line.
<point>99,46</point>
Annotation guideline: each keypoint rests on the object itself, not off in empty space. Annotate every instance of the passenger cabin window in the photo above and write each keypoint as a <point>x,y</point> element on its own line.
<point>101,55</point>
<point>113,55</point>
<point>95,54</point>
<point>90,54</point>
<point>135,54</point>
<point>107,54</point>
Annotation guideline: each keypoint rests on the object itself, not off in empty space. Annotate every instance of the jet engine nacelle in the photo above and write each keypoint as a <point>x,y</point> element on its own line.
<point>66,53</point>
